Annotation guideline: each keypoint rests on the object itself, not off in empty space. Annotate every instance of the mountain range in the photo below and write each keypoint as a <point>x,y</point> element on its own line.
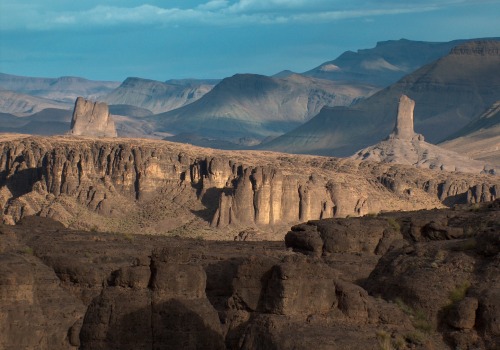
<point>257,106</point>
<point>297,113</point>
<point>157,96</point>
<point>449,93</point>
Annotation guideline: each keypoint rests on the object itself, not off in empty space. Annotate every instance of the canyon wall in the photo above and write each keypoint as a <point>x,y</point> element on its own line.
<point>66,178</point>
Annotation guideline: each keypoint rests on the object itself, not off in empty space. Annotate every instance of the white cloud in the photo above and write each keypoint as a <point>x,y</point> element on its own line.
<point>213,12</point>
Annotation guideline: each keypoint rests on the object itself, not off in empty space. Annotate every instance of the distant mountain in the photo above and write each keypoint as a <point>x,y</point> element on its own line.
<point>64,89</point>
<point>256,106</point>
<point>22,104</point>
<point>480,139</point>
<point>129,111</point>
<point>49,121</point>
<point>449,93</point>
<point>157,96</point>
<point>384,64</point>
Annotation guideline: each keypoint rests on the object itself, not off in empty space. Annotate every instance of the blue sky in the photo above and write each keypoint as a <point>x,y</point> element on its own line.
<point>111,40</point>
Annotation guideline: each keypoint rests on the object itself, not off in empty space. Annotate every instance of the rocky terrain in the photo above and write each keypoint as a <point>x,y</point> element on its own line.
<point>139,185</point>
<point>404,146</point>
<point>449,93</point>
<point>92,119</point>
<point>405,280</point>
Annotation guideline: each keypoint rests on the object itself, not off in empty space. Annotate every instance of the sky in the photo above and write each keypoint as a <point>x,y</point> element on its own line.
<point>174,39</point>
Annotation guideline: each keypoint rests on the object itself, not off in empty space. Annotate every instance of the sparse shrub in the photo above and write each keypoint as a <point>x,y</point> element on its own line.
<point>28,251</point>
<point>94,228</point>
<point>384,340</point>
<point>475,207</point>
<point>418,317</point>
<point>128,236</point>
<point>459,292</point>
<point>394,224</point>
<point>416,337</point>
<point>468,244</point>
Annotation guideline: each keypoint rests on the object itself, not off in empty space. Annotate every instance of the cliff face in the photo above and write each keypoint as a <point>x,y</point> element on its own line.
<point>156,186</point>
<point>92,119</point>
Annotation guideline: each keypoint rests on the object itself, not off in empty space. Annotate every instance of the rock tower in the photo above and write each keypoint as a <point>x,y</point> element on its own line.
<point>92,119</point>
<point>404,122</point>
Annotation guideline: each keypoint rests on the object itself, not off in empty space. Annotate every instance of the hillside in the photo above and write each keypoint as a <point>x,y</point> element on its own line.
<point>384,64</point>
<point>23,105</point>
<point>158,96</point>
<point>255,106</point>
<point>480,139</point>
<point>64,89</point>
<point>449,93</point>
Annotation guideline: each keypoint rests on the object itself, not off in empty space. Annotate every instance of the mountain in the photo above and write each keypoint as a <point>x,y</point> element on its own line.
<point>50,121</point>
<point>157,96</point>
<point>404,146</point>
<point>449,94</point>
<point>22,104</point>
<point>384,64</point>
<point>64,89</point>
<point>256,106</point>
<point>480,139</point>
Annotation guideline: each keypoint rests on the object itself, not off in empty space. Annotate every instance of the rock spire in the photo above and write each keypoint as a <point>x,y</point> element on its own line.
<point>404,121</point>
<point>92,119</point>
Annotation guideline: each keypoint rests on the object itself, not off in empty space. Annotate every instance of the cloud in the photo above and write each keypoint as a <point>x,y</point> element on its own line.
<point>23,15</point>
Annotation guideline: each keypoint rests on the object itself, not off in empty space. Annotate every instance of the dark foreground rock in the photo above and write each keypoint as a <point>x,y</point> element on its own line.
<point>420,280</point>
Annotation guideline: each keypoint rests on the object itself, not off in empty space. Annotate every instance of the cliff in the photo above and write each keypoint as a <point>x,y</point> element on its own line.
<point>92,119</point>
<point>133,185</point>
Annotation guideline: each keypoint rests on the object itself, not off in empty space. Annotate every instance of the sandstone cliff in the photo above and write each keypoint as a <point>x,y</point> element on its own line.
<point>152,186</point>
<point>92,119</point>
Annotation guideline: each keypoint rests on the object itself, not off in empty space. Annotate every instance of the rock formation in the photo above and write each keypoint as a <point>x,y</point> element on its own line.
<point>404,146</point>
<point>159,187</point>
<point>404,120</point>
<point>92,119</point>
<point>415,280</point>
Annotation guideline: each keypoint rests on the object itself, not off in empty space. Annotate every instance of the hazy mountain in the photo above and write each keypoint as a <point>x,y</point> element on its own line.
<point>129,111</point>
<point>22,105</point>
<point>256,106</point>
<point>158,96</point>
<point>50,121</point>
<point>449,93</point>
<point>481,138</point>
<point>384,64</point>
<point>65,89</point>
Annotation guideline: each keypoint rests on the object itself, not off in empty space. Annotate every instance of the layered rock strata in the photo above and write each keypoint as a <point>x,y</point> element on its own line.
<point>92,119</point>
<point>147,186</point>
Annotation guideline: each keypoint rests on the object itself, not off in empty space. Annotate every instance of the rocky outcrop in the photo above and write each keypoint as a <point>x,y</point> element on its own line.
<point>404,120</point>
<point>404,146</point>
<point>92,119</point>
<point>434,285</point>
<point>159,187</point>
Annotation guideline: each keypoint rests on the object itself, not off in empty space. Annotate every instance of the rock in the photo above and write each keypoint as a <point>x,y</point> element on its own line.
<point>404,121</point>
<point>463,314</point>
<point>403,146</point>
<point>92,119</point>
<point>35,312</point>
